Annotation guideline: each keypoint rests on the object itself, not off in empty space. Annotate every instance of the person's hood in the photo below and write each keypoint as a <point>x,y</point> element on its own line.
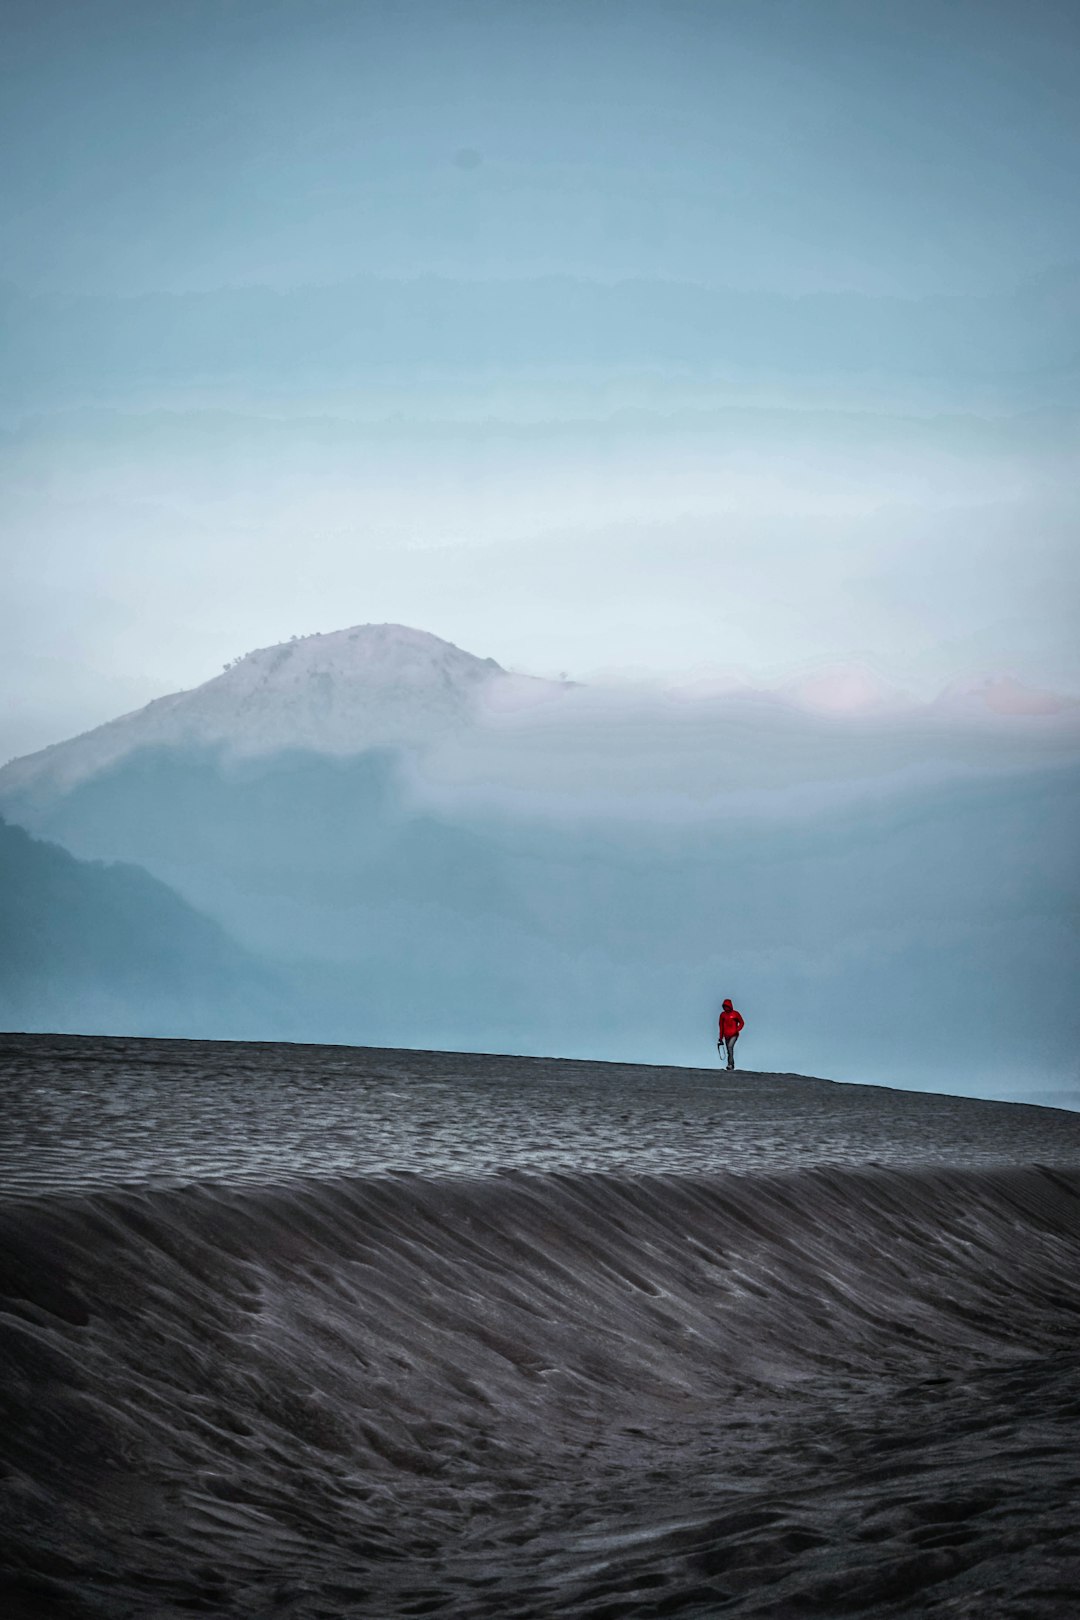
<point>728,1007</point>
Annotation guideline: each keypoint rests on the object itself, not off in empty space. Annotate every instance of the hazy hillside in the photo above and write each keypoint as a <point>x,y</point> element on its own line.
<point>929,935</point>
<point>90,947</point>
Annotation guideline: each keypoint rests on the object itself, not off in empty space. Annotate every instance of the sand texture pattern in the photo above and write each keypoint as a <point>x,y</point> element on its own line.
<point>693,1375</point>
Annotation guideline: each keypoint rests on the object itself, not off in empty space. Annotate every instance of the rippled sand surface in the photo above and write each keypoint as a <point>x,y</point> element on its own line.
<point>321,1333</point>
<point>82,1113</point>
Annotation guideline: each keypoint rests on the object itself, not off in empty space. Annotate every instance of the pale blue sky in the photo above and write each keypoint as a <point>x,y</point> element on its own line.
<point>787,144</point>
<point>659,335</point>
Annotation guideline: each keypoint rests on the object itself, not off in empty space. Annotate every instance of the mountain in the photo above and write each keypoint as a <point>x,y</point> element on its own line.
<point>369,686</point>
<point>90,947</point>
<point>387,686</point>
<point>433,852</point>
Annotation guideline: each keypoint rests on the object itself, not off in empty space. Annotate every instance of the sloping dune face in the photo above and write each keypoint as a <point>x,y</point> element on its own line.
<point>827,1391</point>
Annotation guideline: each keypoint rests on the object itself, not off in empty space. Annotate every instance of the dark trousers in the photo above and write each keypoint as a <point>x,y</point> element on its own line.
<point>729,1042</point>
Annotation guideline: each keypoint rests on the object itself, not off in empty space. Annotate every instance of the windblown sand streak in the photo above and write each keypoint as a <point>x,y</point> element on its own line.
<point>833,1390</point>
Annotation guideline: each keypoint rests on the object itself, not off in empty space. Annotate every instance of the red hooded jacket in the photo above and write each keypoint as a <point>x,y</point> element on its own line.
<point>731,1022</point>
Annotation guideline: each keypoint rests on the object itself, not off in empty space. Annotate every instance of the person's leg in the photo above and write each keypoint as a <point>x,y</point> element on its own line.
<point>729,1042</point>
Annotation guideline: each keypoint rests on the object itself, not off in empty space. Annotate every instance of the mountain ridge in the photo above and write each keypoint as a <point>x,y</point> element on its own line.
<point>346,692</point>
<point>106,946</point>
<point>341,692</point>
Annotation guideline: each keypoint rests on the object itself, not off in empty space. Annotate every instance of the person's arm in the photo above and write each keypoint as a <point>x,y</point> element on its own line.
<point>742,1023</point>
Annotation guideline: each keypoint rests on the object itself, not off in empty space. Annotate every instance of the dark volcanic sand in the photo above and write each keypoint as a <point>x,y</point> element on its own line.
<point>309,1331</point>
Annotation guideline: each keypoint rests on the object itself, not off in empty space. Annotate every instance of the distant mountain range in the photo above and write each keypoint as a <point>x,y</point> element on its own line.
<point>413,846</point>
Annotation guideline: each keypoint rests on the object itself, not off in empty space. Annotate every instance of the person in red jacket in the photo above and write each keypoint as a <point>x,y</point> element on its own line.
<point>731,1027</point>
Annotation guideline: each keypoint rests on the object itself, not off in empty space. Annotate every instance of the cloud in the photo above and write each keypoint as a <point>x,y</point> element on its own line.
<point>758,542</point>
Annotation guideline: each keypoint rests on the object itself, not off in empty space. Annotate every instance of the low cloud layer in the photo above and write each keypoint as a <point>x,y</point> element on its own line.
<point>144,551</point>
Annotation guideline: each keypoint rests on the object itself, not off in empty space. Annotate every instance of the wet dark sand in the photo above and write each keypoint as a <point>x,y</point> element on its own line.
<point>319,1332</point>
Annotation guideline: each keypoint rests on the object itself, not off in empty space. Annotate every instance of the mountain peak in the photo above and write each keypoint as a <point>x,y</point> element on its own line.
<point>367,686</point>
<point>365,652</point>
